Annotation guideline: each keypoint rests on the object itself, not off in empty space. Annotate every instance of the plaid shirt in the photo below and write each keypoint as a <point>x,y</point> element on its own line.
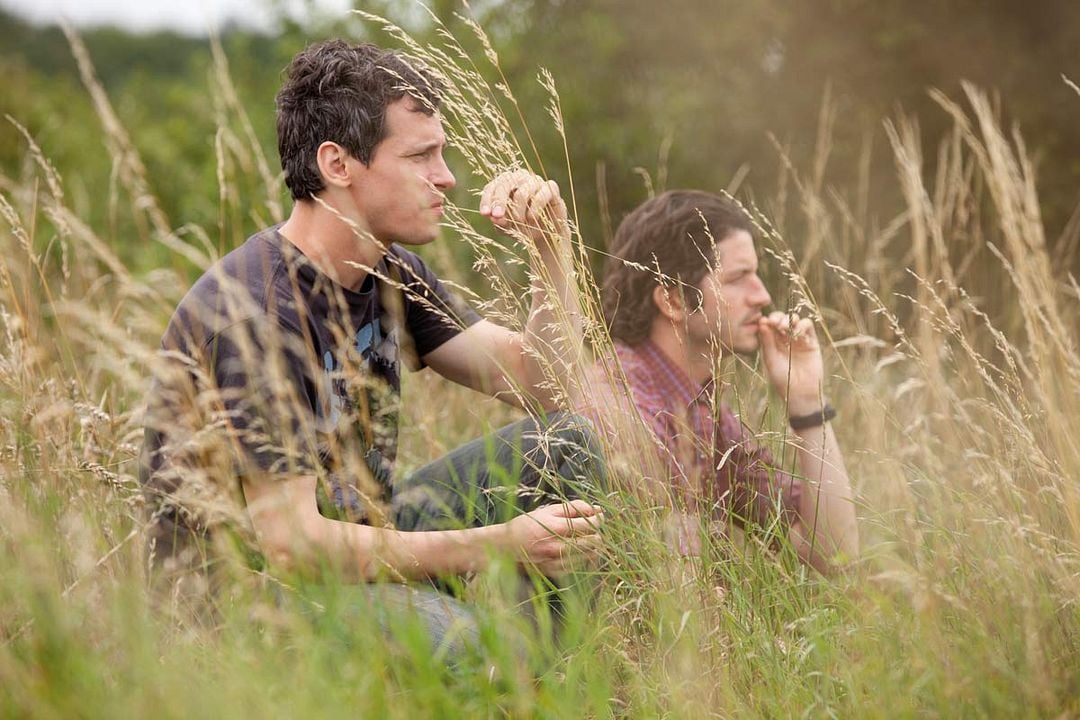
<point>714,460</point>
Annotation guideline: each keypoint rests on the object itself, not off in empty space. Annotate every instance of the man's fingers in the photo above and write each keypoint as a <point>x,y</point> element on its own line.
<point>500,197</point>
<point>497,194</point>
<point>774,318</point>
<point>767,335</point>
<point>493,197</point>
<point>485,199</point>
<point>584,525</point>
<point>537,212</point>
<point>572,553</point>
<point>522,197</point>
<point>784,326</point>
<point>525,205</point>
<point>576,517</point>
<point>788,326</point>
<point>587,545</point>
<point>576,508</point>
<point>804,330</point>
<point>566,527</point>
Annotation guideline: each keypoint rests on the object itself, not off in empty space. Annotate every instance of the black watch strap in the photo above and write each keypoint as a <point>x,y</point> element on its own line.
<point>822,416</point>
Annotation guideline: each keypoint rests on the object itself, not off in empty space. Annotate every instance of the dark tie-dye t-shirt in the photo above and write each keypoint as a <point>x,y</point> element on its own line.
<point>271,368</point>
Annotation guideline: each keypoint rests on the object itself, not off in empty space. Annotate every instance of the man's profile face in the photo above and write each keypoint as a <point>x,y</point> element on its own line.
<point>732,299</point>
<point>400,195</point>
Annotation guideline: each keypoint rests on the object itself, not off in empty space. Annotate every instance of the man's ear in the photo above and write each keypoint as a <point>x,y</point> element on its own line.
<point>670,303</point>
<point>333,164</point>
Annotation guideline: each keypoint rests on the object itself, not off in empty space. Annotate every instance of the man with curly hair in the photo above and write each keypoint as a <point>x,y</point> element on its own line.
<point>681,291</point>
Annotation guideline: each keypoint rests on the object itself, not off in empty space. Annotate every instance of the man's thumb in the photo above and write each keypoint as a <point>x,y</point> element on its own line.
<point>767,336</point>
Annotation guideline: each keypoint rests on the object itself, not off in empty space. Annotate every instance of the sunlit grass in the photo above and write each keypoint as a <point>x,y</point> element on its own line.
<point>961,430</point>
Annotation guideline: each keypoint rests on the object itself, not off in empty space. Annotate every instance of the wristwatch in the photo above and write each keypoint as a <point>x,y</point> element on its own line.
<point>822,416</point>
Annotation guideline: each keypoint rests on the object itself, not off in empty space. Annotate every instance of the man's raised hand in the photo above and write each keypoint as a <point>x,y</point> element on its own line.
<point>792,357</point>
<point>526,206</point>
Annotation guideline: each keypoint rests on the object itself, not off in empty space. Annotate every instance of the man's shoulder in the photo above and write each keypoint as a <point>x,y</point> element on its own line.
<point>635,365</point>
<point>624,363</point>
<point>252,266</point>
<point>434,310</point>
<point>411,265</point>
<point>234,290</point>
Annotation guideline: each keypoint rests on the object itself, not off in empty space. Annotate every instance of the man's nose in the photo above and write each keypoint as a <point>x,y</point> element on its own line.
<point>442,178</point>
<point>760,296</point>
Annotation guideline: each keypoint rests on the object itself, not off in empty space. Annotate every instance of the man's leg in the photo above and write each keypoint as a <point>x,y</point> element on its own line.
<point>489,480</point>
<point>394,610</point>
<point>516,469</point>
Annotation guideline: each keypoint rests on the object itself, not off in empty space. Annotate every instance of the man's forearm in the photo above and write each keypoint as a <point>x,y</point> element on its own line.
<point>369,554</point>
<point>294,534</point>
<point>553,332</point>
<point>827,506</point>
<point>531,209</point>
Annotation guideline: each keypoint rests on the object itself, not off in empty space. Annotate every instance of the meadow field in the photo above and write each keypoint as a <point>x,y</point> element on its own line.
<point>951,325</point>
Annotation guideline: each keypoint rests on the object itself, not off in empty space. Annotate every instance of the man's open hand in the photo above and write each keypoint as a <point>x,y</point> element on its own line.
<point>792,357</point>
<point>527,207</point>
<point>555,538</point>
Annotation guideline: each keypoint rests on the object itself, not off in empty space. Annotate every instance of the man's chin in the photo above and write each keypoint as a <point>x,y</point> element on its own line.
<point>418,238</point>
<point>745,348</point>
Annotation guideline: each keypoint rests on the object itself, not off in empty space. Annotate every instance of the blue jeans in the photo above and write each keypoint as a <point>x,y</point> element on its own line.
<point>490,480</point>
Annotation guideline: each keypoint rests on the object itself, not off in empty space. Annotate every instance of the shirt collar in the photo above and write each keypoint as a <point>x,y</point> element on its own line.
<point>672,378</point>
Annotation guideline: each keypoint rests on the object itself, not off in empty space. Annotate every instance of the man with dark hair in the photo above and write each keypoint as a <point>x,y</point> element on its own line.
<point>681,290</point>
<point>283,362</point>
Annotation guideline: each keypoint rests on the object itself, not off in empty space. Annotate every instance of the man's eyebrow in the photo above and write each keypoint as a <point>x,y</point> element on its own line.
<point>425,146</point>
<point>736,268</point>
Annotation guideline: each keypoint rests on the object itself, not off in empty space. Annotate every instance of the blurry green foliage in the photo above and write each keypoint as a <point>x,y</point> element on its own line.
<point>718,76</point>
<point>691,92</point>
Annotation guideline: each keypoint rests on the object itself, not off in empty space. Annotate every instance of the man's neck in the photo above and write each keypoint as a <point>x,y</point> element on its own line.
<point>340,251</point>
<point>695,362</point>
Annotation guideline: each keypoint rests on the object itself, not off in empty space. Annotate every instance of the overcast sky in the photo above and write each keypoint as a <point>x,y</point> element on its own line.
<point>187,16</point>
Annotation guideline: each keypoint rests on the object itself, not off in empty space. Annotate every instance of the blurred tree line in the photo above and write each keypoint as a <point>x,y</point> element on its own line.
<point>702,93</point>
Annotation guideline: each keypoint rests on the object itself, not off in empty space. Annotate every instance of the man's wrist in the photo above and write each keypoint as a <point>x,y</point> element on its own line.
<point>552,245</point>
<point>813,419</point>
<point>501,539</point>
<point>805,405</point>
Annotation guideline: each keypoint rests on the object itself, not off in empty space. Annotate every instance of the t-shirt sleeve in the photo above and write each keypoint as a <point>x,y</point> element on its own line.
<point>757,489</point>
<point>231,405</point>
<point>263,386</point>
<point>433,313</point>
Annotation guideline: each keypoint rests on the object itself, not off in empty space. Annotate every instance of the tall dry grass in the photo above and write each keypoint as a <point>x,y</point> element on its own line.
<point>958,412</point>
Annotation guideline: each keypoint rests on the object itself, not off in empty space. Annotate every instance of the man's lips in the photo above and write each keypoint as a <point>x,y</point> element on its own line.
<point>754,322</point>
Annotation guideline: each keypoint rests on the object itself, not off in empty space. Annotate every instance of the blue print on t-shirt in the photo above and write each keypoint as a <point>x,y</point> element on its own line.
<point>366,337</point>
<point>337,400</point>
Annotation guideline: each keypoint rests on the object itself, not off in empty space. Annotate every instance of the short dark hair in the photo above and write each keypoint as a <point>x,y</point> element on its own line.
<point>338,92</point>
<point>672,235</point>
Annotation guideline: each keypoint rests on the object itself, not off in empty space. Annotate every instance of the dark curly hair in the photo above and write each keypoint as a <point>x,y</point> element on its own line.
<point>665,234</point>
<point>338,92</point>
